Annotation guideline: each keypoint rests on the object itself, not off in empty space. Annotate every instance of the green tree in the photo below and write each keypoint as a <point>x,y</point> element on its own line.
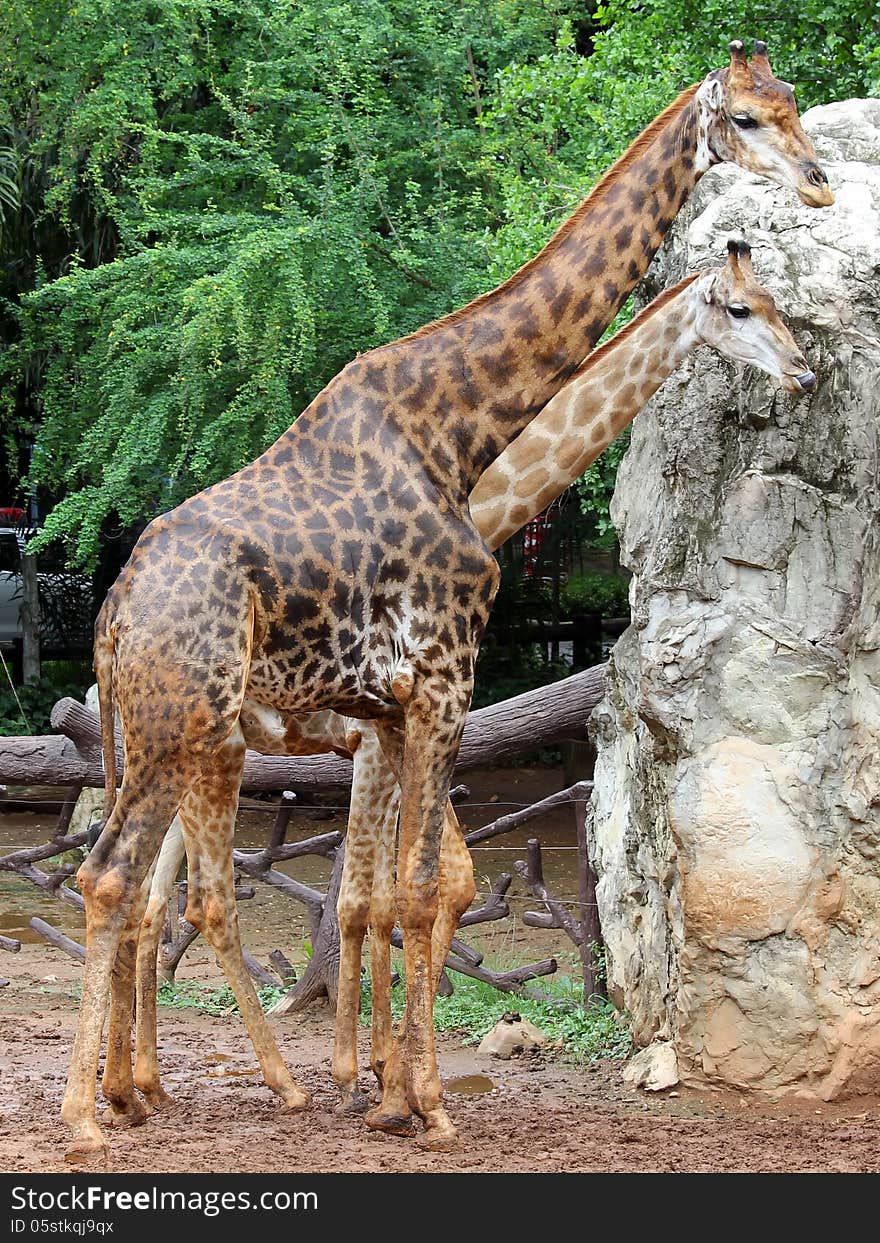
<point>207,207</point>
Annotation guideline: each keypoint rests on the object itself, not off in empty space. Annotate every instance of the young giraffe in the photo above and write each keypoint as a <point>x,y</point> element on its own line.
<point>724,308</point>
<point>341,571</point>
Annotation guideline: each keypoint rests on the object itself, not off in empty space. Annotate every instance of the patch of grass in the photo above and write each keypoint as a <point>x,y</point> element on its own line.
<point>582,1034</point>
<point>190,995</point>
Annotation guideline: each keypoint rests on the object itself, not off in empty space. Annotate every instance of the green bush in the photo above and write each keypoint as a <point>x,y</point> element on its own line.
<point>589,591</point>
<point>25,709</point>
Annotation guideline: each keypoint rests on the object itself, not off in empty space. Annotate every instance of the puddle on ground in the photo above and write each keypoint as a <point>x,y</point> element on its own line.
<point>469,1085</point>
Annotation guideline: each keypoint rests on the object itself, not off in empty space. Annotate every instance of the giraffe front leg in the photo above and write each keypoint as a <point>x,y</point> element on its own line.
<point>146,1065</point>
<point>456,894</point>
<point>434,719</point>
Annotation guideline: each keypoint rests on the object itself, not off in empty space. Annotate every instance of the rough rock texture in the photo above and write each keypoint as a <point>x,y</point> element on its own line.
<point>511,1036</point>
<point>737,834</point>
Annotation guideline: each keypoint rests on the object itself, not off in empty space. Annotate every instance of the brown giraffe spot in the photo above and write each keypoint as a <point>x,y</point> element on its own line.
<point>567,454</point>
<point>532,482</point>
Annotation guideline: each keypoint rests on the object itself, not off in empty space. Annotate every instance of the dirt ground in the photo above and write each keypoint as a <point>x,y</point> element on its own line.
<point>543,1115</point>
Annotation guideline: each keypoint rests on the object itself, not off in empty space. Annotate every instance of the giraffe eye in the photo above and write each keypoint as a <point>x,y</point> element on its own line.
<point>738,311</point>
<point>744,121</point>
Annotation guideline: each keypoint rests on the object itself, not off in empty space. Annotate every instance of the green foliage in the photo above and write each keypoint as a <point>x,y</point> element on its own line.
<point>474,1007</point>
<point>243,196</point>
<point>588,591</point>
<point>190,995</point>
<point>208,207</point>
<point>37,699</point>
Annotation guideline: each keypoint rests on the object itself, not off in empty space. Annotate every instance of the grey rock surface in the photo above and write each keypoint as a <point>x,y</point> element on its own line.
<point>737,833</point>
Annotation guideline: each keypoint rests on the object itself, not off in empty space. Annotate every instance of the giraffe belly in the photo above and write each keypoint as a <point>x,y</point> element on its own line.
<point>291,686</point>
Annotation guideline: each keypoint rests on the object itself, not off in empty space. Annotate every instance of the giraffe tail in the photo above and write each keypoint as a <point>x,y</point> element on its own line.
<point>104,678</point>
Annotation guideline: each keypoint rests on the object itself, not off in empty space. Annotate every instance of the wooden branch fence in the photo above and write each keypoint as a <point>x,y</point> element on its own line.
<point>502,731</point>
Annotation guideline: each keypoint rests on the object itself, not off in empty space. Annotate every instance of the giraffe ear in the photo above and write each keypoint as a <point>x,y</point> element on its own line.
<point>708,287</point>
<point>712,93</point>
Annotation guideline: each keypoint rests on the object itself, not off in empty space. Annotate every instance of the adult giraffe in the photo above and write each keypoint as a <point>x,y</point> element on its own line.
<point>341,571</point>
<point>725,308</point>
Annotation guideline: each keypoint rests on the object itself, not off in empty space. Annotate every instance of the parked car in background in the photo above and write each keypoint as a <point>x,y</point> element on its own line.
<point>66,606</point>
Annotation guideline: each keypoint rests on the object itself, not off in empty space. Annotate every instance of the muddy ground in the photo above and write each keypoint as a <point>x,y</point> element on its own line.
<point>544,1114</point>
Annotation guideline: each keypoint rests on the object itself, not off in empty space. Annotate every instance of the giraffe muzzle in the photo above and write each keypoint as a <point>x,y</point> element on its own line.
<point>814,190</point>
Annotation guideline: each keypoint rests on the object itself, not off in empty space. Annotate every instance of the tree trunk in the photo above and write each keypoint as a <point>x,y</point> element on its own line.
<point>502,731</point>
<point>30,620</point>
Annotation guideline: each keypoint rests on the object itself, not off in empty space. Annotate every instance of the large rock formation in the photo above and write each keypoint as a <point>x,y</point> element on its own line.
<point>737,834</point>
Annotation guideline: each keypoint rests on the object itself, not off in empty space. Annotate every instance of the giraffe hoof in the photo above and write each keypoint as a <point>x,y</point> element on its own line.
<point>295,1102</point>
<point>391,1124</point>
<point>86,1149</point>
<point>437,1139</point>
<point>125,1114</point>
<point>352,1101</point>
<point>158,1101</point>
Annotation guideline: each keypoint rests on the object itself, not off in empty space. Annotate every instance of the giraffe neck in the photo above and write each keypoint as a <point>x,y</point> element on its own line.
<point>552,313</point>
<point>460,389</point>
<point>583,418</point>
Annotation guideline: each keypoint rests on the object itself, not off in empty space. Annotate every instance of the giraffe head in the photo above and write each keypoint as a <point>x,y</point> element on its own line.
<point>748,117</point>
<point>737,316</point>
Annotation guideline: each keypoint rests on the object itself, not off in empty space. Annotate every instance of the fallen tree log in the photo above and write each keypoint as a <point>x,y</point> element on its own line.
<point>502,731</point>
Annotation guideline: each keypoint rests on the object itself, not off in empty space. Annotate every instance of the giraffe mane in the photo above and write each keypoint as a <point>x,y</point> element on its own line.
<point>636,322</point>
<point>620,166</point>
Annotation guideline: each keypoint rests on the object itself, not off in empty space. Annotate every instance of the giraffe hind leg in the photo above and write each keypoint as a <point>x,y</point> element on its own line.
<point>117,1083</point>
<point>110,880</point>
<point>207,817</point>
<point>146,1065</point>
<point>371,829</point>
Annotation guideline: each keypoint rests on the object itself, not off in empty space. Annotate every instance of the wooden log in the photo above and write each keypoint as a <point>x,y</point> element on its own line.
<point>32,854</point>
<point>532,872</point>
<point>508,981</point>
<point>495,906</point>
<point>258,972</point>
<point>58,939</point>
<point>284,967</point>
<point>502,731</point>
<point>171,954</point>
<point>507,823</point>
<point>10,945</point>
<point>52,882</point>
<point>323,844</point>
<point>282,819</point>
